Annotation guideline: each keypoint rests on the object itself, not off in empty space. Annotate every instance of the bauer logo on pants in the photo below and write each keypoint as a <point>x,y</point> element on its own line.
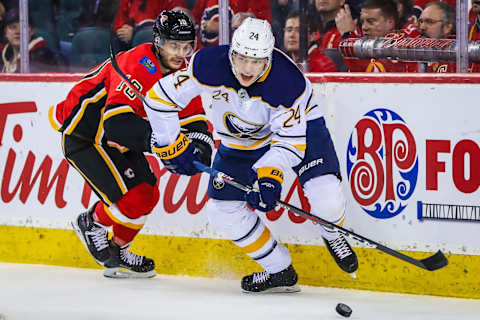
<point>382,163</point>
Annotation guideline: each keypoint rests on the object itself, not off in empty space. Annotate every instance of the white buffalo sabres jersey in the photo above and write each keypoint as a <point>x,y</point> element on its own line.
<point>269,112</point>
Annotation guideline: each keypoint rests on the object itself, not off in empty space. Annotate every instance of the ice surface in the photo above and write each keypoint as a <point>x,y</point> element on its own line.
<point>50,292</point>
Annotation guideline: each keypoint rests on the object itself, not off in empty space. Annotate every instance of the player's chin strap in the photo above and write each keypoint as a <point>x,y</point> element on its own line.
<point>434,262</point>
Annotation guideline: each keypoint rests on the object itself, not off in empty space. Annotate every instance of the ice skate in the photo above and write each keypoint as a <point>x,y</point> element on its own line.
<point>126,264</point>
<point>283,281</point>
<point>93,235</point>
<point>343,254</point>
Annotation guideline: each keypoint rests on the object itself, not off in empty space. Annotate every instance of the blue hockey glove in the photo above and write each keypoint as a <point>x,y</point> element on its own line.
<point>269,189</point>
<point>178,157</point>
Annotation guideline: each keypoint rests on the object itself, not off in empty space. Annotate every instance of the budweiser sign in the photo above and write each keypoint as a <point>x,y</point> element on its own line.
<point>396,46</point>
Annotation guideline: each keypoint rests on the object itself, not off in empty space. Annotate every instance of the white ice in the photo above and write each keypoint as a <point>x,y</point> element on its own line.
<point>50,292</point>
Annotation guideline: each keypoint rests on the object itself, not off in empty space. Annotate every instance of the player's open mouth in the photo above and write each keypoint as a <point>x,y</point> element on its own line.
<point>246,78</point>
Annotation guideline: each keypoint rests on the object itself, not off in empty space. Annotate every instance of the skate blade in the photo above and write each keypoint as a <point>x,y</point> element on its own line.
<point>119,273</point>
<point>77,230</point>
<point>289,289</point>
<point>353,275</point>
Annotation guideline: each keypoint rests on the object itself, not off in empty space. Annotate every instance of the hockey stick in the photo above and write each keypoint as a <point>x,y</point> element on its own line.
<point>434,262</point>
<point>113,59</point>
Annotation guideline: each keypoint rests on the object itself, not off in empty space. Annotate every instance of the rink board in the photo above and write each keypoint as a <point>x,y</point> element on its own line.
<point>427,158</point>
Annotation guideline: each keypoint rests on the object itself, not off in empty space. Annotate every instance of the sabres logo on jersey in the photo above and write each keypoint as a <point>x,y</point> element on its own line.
<point>148,64</point>
<point>240,128</point>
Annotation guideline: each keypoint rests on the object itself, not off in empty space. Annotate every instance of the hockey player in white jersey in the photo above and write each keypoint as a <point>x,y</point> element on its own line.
<point>260,99</point>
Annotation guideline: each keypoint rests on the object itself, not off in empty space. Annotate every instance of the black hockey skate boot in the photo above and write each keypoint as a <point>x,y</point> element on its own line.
<point>126,264</point>
<point>93,235</point>
<point>283,281</point>
<point>343,254</point>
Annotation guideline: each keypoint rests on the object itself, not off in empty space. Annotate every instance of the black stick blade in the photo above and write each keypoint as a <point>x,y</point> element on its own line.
<point>435,262</point>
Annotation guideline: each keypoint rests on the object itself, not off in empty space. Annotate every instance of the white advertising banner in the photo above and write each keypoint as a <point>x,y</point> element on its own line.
<point>409,156</point>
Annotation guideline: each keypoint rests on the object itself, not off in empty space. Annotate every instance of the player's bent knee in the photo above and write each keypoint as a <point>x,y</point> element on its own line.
<point>231,217</point>
<point>139,201</point>
<point>326,197</point>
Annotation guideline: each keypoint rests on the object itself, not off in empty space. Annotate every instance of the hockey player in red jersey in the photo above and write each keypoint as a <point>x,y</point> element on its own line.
<point>104,136</point>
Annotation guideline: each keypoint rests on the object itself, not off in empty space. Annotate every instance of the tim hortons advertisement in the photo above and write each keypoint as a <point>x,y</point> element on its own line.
<point>408,153</point>
<point>39,188</point>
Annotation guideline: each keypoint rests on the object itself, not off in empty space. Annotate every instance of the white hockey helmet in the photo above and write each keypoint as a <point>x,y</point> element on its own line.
<point>253,38</point>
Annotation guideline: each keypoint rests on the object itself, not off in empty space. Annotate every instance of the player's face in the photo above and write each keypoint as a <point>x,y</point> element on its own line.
<point>374,24</point>
<point>431,23</point>
<point>248,69</point>
<point>291,36</point>
<point>174,53</point>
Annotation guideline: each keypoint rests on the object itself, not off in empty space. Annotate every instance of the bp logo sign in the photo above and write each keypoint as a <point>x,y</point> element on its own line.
<point>382,163</point>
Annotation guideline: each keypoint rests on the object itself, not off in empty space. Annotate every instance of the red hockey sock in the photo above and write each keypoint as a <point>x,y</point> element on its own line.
<point>101,216</point>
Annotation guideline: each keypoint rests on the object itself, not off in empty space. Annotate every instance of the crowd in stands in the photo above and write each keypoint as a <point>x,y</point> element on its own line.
<point>75,35</point>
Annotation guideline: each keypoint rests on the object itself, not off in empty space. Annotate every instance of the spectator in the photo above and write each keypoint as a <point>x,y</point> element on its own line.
<point>437,21</point>
<point>422,4</point>
<point>378,18</point>
<point>407,18</point>
<point>238,19</point>
<point>2,17</point>
<point>135,14</point>
<point>474,30</point>
<point>327,10</point>
<point>42,59</point>
<point>205,13</point>
<point>336,22</point>
<point>345,27</point>
<point>280,10</point>
<point>318,61</point>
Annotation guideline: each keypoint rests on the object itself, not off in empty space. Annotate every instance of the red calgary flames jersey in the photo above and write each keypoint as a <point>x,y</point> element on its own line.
<point>103,93</point>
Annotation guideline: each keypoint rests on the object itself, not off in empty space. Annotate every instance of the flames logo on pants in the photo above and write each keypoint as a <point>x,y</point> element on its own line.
<point>382,163</point>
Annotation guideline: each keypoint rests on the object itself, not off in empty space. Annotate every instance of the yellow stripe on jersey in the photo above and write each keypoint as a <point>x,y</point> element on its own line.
<point>265,75</point>
<point>53,119</point>
<point>113,112</point>
<point>259,243</point>
<point>253,146</point>
<point>153,95</point>
<point>117,146</point>
<point>83,107</point>
<point>106,158</point>
<point>116,215</point>
<point>187,120</point>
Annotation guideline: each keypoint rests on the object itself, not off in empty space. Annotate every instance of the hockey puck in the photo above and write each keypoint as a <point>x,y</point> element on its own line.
<point>344,310</point>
